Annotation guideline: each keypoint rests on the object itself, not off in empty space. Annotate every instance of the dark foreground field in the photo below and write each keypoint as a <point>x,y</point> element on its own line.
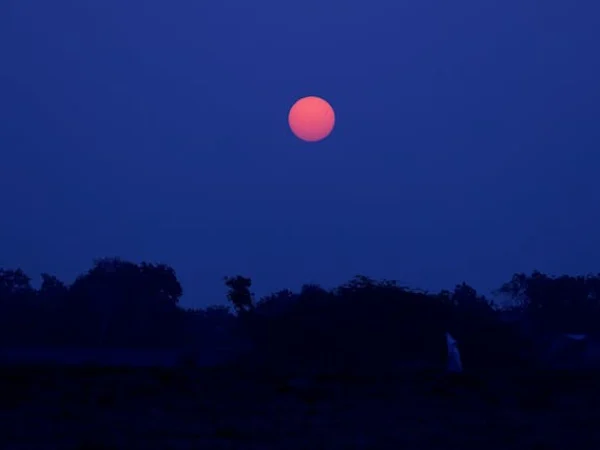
<point>51,408</point>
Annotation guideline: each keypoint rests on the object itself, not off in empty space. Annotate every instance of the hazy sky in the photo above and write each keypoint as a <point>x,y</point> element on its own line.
<point>466,145</point>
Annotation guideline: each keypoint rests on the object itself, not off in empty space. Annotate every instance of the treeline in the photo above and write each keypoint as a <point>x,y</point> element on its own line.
<point>362,323</point>
<point>115,304</point>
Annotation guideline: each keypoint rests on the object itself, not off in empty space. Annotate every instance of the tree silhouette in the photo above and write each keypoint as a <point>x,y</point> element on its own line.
<point>363,324</point>
<point>239,293</point>
<point>564,303</point>
<point>14,284</point>
<point>52,288</point>
<point>125,302</point>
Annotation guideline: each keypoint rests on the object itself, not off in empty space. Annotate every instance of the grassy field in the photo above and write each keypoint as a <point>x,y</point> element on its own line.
<point>91,408</point>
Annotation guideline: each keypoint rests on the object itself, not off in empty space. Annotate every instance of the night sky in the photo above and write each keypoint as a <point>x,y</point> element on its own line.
<point>466,143</point>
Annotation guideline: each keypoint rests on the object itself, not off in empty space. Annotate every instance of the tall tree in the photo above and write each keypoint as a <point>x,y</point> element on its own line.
<point>239,294</point>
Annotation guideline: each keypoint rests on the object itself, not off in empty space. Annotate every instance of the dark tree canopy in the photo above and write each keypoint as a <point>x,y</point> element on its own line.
<point>361,323</point>
<point>239,293</point>
<point>568,303</point>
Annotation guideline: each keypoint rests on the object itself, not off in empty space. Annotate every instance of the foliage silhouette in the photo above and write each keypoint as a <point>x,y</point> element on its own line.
<point>362,324</point>
<point>239,293</point>
<point>564,303</point>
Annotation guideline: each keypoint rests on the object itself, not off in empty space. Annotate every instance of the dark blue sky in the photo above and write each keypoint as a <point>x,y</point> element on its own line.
<point>466,145</point>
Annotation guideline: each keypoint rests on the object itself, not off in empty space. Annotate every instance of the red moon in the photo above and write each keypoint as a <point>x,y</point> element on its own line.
<point>311,119</point>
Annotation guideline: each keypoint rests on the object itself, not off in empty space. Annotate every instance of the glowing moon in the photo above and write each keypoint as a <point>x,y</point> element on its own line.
<point>311,119</point>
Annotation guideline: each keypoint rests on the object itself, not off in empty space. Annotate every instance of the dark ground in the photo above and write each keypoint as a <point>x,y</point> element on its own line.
<point>93,408</point>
